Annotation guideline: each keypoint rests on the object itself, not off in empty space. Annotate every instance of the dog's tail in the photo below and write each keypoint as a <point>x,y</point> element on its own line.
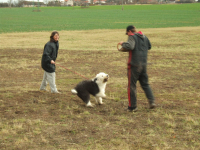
<point>74,91</point>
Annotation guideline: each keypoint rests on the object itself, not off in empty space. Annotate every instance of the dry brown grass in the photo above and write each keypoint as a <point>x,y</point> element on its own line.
<point>170,39</point>
<point>34,120</point>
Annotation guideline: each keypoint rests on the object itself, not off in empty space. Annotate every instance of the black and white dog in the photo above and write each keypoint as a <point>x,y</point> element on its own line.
<point>95,87</point>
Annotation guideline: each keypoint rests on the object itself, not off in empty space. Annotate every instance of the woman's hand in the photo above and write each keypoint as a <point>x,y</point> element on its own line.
<point>52,62</point>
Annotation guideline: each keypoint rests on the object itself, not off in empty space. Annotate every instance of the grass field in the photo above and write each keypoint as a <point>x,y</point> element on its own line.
<point>32,120</point>
<point>99,17</point>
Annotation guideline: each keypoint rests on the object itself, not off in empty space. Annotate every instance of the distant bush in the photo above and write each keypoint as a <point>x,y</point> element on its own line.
<point>4,5</point>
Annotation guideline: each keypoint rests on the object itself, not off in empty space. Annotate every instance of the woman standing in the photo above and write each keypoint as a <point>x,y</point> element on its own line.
<point>48,62</point>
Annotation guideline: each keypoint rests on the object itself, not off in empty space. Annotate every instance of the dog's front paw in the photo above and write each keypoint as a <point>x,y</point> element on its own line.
<point>99,100</point>
<point>103,95</point>
<point>101,103</point>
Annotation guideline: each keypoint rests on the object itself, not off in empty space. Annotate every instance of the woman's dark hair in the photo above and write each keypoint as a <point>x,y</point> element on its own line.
<point>52,35</point>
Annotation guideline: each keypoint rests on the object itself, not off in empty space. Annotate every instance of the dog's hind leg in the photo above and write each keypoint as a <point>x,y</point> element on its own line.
<point>89,104</point>
<point>86,98</point>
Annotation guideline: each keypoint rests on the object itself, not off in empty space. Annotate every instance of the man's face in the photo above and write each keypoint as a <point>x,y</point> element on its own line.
<point>56,37</point>
<point>129,33</point>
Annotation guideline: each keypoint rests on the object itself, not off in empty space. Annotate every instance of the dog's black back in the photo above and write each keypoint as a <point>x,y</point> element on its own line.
<point>85,88</point>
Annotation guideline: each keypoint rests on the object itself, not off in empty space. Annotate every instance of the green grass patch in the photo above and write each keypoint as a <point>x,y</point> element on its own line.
<point>99,17</point>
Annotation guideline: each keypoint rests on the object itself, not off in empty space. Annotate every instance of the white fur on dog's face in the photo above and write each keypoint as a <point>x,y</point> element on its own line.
<point>102,77</point>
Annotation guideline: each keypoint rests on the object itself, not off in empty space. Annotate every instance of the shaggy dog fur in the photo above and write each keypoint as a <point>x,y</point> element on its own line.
<point>95,87</point>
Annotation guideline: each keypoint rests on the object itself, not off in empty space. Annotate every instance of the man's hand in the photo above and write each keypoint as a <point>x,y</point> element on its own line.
<point>52,62</point>
<point>120,43</point>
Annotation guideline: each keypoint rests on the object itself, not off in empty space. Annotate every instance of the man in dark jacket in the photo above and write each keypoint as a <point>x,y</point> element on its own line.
<point>137,46</point>
<point>48,62</point>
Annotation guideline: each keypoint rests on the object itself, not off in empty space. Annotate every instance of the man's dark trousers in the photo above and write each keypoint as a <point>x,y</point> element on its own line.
<point>138,73</point>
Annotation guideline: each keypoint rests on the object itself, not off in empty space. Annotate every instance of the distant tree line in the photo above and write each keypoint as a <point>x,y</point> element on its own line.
<point>24,3</point>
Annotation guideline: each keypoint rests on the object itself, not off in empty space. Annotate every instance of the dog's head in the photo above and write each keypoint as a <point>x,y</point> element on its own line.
<point>101,78</point>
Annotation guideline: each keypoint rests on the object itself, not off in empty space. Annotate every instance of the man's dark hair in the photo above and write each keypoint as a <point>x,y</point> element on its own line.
<point>132,28</point>
<point>52,35</point>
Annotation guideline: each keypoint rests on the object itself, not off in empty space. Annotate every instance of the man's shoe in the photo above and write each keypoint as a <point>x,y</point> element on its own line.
<point>152,106</point>
<point>131,110</point>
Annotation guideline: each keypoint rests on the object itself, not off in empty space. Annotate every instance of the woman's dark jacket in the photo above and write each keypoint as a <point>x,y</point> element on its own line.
<point>50,53</point>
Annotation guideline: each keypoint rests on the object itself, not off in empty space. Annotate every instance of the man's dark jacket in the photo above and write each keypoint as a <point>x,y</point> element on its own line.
<point>50,53</point>
<point>138,46</point>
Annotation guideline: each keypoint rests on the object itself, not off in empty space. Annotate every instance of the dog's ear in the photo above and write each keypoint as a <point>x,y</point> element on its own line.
<point>95,79</point>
